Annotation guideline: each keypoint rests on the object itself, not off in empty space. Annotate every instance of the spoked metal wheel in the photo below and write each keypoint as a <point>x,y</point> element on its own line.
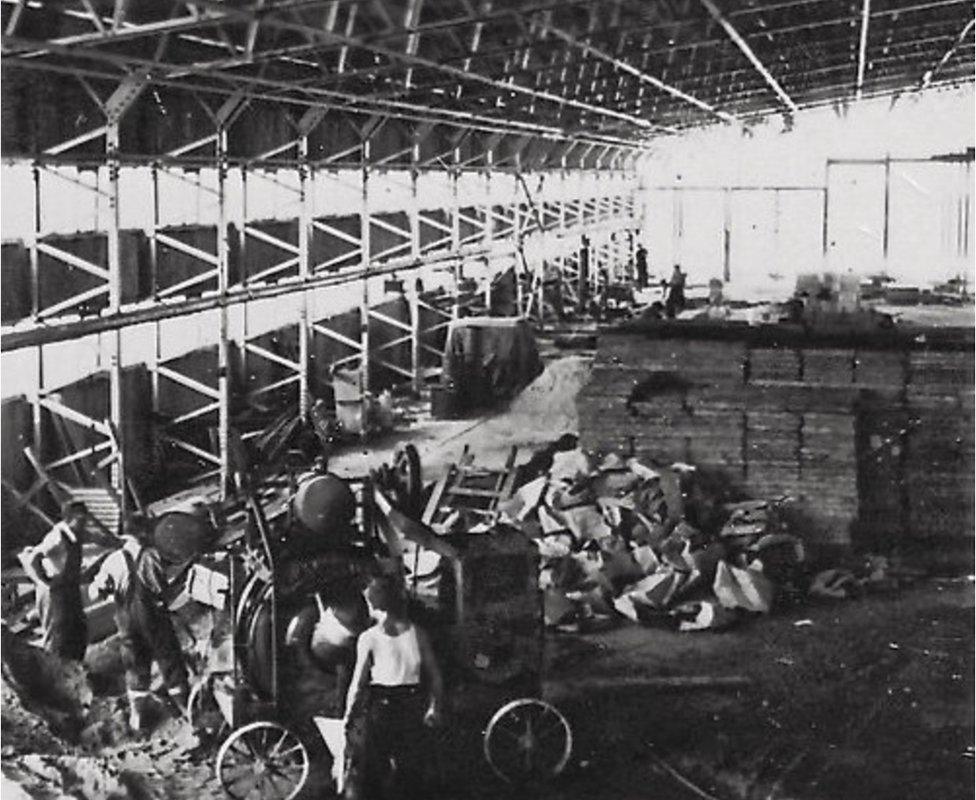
<point>203,709</point>
<point>527,740</point>
<point>262,760</point>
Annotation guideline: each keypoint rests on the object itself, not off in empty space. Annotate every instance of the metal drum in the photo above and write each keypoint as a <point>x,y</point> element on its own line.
<point>180,536</point>
<point>253,621</point>
<point>324,506</point>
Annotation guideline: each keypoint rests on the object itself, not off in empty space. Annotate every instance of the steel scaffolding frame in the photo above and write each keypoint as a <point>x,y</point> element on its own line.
<point>497,232</point>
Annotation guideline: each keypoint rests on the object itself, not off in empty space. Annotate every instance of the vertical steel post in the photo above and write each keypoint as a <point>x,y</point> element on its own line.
<point>35,259</point>
<point>154,268</point>
<point>365,256</point>
<point>223,347</point>
<point>118,476</point>
<point>777,214</point>
<point>416,367</point>
<point>583,279</point>
<point>563,172</point>
<point>304,272</point>
<point>886,234</point>
<point>36,410</point>
<point>540,266</point>
<point>454,176</point>
<point>726,234</point>
<point>679,224</point>
<point>825,233</point>
<point>489,231</point>
<point>520,301</point>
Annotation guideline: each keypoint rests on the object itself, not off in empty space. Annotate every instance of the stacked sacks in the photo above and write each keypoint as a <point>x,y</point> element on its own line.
<point>655,545</point>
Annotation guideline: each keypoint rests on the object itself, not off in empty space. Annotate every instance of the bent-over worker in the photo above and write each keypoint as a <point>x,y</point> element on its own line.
<point>134,576</point>
<point>394,658</point>
<point>54,565</point>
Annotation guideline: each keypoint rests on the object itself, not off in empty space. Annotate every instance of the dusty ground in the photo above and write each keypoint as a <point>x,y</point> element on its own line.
<point>872,699</point>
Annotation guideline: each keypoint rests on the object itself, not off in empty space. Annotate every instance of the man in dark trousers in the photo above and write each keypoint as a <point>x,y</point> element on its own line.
<point>676,295</point>
<point>54,565</point>
<point>134,576</point>
<point>641,263</point>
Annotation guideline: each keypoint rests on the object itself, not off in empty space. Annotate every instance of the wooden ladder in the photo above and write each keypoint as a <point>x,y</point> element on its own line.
<point>466,489</point>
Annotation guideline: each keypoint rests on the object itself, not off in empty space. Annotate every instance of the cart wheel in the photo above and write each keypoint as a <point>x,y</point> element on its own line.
<point>262,760</point>
<point>527,740</point>
<point>205,715</point>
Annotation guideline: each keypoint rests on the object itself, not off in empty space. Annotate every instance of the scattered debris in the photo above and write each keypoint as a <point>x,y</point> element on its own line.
<point>656,545</point>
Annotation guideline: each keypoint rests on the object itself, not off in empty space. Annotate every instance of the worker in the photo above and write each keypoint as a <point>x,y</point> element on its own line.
<point>134,576</point>
<point>394,657</point>
<point>676,295</point>
<point>641,262</point>
<point>54,565</point>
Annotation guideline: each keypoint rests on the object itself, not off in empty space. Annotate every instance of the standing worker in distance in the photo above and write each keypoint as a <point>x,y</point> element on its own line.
<point>641,262</point>
<point>676,295</point>
<point>134,576</point>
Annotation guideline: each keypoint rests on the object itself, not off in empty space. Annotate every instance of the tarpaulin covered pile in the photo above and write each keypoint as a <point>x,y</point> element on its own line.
<point>488,359</point>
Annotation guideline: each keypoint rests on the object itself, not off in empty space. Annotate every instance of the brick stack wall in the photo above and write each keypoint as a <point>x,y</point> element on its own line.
<point>829,425</point>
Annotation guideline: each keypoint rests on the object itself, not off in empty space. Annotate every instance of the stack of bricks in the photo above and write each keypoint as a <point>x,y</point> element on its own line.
<point>939,475</point>
<point>668,400</point>
<point>785,419</point>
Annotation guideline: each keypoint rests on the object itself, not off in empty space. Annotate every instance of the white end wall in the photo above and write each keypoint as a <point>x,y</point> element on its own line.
<point>717,200</point>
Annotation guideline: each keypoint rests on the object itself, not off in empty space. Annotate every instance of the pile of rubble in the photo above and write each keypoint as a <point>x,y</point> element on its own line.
<point>663,546</point>
<point>59,738</point>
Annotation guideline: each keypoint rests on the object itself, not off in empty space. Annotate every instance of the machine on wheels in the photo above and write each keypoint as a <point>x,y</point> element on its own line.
<point>488,630</point>
<point>262,752</point>
<point>484,617</point>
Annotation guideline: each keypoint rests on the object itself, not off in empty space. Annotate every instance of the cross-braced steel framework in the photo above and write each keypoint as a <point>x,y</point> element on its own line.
<point>260,159</point>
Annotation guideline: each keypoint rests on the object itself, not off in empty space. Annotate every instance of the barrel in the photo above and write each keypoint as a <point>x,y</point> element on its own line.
<point>325,507</point>
<point>180,536</point>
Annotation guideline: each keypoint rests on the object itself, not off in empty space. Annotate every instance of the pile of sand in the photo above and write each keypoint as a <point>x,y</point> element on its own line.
<point>551,397</point>
<point>544,410</point>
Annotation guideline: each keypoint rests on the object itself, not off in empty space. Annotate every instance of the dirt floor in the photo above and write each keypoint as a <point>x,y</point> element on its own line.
<point>869,698</point>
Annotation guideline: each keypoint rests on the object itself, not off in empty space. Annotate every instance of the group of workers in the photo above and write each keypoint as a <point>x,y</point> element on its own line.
<point>132,575</point>
<point>672,290</point>
<point>396,682</point>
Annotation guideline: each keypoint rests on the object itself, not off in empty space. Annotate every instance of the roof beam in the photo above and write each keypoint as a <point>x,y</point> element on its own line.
<point>643,77</point>
<point>862,49</point>
<point>456,72</point>
<point>411,18</point>
<point>285,92</point>
<point>252,31</point>
<point>930,74</point>
<point>139,30</point>
<point>748,53</point>
<point>479,28</point>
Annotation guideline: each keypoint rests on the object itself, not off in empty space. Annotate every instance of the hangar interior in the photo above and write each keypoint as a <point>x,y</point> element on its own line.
<point>228,221</point>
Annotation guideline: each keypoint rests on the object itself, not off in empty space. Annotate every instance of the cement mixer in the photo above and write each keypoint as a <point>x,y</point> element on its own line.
<point>289,583</point>
<point>323,511</point>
